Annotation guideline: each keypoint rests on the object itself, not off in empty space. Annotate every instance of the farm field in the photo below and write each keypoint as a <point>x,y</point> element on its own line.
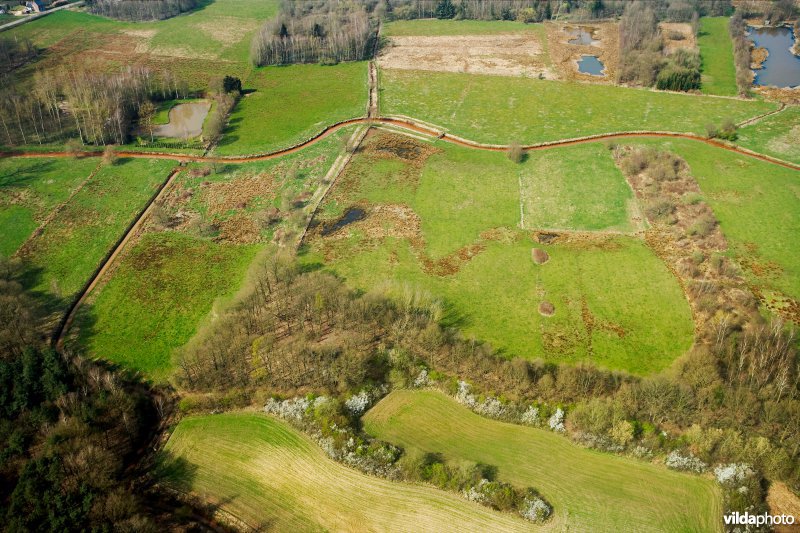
<point>716,54</point>
<point>493,109</point>
<point>74,243</point>
<point>442,218</point>
<point>292,103</point>
<point>777,135</point>
<point>758,207</point>
<point>402,28</point>
<point>195,256</point>
<point>31,189</point>
<point>589,490</point>
<point>271,476</point>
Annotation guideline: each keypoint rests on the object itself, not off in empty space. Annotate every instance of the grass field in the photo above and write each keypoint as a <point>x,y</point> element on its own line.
<point>500,110</point>
<point>30,189</point>
<point>168,282</point>
<point>577,187</point>
<point>777,135</point>
<point>716,54</point>
<point>589,490</point>
<point>758,206</point>
<point>152,304</point>
<point>74,243</point>
<point>276,479</point>
<point>402,28</point>
<point>292,103</point>
<point>466,203</point>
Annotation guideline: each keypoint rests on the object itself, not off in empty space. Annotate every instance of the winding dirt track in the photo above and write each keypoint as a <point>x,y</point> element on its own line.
<point>425,130</point>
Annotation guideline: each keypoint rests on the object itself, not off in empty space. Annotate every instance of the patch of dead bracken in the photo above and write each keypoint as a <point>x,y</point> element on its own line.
<point>790,96</point>
<point>677,35</point>
<point>757,58</point>
<point>238,193</point>
<point>239,229</point>
<point>547,309</point>
<point>687,237</point>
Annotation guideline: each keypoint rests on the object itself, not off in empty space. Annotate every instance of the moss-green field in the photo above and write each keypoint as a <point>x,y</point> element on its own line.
<point>30,189</point>
<point>74,243</point>
<point>274,478</point>
<point>292,103</point>
<point>500,110</point>
<point>716,54</point>
<point>589,490</point>
<point>617,304</point>
<point>777,135</point>
<point>401,28</point>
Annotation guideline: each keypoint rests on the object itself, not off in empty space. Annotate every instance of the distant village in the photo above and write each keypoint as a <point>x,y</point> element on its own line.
<point>30,7</point>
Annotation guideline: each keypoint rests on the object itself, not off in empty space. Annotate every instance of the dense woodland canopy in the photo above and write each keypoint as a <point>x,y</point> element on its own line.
<point>140,9</point>
<point>72,433</point>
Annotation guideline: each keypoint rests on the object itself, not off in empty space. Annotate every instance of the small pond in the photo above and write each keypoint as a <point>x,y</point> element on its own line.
<point>354,214</point>
<point>591,65</point>
<point>185,121</point>
<point>582,35</point>
<point>782,67</point>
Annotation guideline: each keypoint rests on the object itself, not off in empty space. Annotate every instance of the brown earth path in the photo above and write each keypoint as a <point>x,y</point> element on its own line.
<point>410,124</point>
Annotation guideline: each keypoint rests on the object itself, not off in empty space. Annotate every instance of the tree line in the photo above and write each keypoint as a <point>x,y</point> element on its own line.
<point>741,53</point>
<point>72,432</point>
<point>16,52</point>
<point>539,10</point>
<point>98,108</point>
<point>137,10</point>
<point>315,32</point>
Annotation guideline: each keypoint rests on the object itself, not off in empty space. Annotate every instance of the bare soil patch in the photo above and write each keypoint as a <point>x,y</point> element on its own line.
<point>565,56</point>
<point>514,54</point>
<point>539,256</point>
<point>547,309</point>
<point>677,35</point>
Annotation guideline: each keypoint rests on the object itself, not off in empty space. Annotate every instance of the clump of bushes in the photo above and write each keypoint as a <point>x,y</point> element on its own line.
<point>727,131</point>
<point>741,53</point>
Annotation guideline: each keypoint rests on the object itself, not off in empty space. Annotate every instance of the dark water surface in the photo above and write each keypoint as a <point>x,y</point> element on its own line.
<point>782,67</point>
<point>590,65</point>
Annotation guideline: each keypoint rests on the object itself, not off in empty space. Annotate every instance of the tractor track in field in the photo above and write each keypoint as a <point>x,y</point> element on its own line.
<point>403,123</point>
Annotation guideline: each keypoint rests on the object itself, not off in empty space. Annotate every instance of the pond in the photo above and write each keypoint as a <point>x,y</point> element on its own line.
<point>782,67</point>
<point>582,35</point>
<point>354,214</point>
<point>185,121</point>
<point>591,65</point>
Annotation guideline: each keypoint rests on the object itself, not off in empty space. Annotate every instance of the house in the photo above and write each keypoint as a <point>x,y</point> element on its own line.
<point>19,10</point>
<point>36,6</point>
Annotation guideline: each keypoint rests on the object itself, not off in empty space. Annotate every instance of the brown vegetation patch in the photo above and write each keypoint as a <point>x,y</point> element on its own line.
<point>782,500</point>
<point>539,256</point>
<point>546,237</point>
<point>687,237</point>
<point>757,57</point>
<point>677,35</point>
<point>547,309</point>
<point>392,145</point>
<point>504,235</point>
<point>514,54</point>
<point>565,56</point>
<point>238,193</point>
<point>789,96</point>
<point>239,229</point>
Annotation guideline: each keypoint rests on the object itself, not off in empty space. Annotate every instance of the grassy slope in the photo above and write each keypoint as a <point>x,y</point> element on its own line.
<point>576,187</point>
<point>153,303</point>
<point>30,189</point>
<point>271,476</point>
<point>716,52</point>
<point>590,490</point>
<point>221,29</point>
<point>757,204</point>
<point>778,135</point>
<point>463,192</point>
<point>74,243</point>
<point>292,103</point>
<point>494,109</point>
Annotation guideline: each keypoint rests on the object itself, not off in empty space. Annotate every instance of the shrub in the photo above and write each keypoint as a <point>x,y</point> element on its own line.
<point>659,209</point>
<point>676,78</point>
<point>556,422</point>
<point>690,463</point>
<point>703,226</point>
<point>515,153</point>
